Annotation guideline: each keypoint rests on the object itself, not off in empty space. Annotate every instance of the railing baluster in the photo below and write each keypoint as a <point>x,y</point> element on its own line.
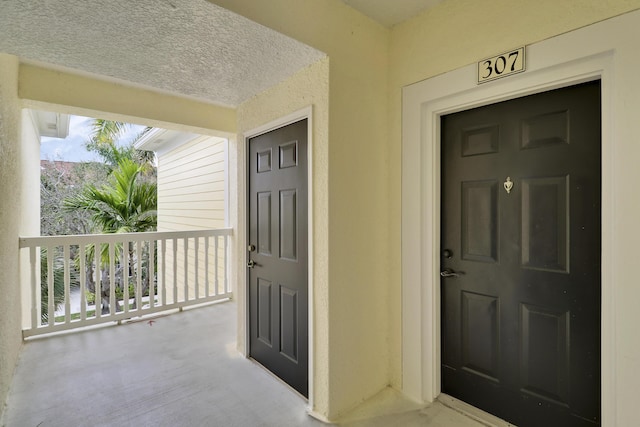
<point>138,272</point>
<point>36,294</point>
<point>217,277</point>
<point>196,263</point>
<point>152,272</point>
<point>66,253</point>
<point>83,283</point>
<point>124,275</point>
<point>97,248</point>
<point>175,271</point>
<point>163,284</point>
<point>186,269</point>
<point>50,287</point>
<point>113,308</point>
<point>227,289</point>
<point>206,266</point>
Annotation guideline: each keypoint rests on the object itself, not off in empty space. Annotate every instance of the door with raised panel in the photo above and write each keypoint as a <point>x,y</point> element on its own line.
<point>521,250</point>
<point>277,245</point>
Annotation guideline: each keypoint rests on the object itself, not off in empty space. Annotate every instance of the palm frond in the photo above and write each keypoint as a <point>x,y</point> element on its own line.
<point>122,203</point>
<point>107,131</point>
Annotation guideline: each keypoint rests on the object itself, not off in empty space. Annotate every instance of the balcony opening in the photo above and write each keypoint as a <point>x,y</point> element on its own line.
<point>134,225</point>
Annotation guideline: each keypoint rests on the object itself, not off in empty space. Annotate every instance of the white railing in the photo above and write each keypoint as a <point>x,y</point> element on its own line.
<point>161,270</point>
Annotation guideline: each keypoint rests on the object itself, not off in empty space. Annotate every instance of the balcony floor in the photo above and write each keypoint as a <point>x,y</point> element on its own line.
<point>180,370</point>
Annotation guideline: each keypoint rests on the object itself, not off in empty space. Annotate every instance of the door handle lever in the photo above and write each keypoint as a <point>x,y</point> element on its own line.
<point>447,272</point>
<point>251,263</point>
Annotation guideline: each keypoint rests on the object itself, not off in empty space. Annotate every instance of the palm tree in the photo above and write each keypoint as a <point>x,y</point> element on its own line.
<point>122,205</point>
<point>105,133</point>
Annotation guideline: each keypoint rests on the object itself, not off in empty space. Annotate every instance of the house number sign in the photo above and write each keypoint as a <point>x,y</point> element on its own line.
<point>502,65</point>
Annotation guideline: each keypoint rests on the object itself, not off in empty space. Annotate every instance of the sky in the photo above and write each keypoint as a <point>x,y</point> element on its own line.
<point>72,148</point>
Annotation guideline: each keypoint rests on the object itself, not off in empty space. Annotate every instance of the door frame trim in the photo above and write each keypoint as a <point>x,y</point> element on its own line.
<point>304,113</point>
<point>575,57</point>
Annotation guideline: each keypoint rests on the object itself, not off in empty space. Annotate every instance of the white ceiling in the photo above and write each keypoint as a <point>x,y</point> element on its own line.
<point>391,12</point>
<point>189,47</point>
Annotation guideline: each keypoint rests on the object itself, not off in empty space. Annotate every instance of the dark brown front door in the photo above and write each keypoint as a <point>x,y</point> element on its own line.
<point>521,257</point>
<point>278,288</point>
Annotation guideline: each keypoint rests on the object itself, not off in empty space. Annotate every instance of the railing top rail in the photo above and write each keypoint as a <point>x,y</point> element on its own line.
<point>80,239</point>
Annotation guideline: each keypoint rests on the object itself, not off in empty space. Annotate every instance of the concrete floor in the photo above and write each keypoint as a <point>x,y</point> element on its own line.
<point>179,370</point>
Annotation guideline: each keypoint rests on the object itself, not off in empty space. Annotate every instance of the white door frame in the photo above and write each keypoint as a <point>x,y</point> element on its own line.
<point>598,51</point>
<point>243,297</point>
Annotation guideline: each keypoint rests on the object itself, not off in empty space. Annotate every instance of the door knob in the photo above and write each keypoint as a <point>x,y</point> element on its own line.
<point>447,272</point>
<point>251,263</point>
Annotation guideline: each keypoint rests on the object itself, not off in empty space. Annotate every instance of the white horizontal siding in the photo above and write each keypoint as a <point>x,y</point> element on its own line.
<point>208,157</point>
<point>192,195</point>
<point>191,185</point>
<point>188,179</point>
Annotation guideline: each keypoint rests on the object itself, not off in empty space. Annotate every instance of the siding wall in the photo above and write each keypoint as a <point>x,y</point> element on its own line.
<point>192,195</point>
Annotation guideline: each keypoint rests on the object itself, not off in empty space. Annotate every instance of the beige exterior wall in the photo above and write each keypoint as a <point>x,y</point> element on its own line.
<point>307,88</point>
<point>363,255</point>
<point>605,50</point>
<point>30,191</point>
<point>351,282</point>
<point>63,92</point>
<point>192,195</point>
<point>10,222</point>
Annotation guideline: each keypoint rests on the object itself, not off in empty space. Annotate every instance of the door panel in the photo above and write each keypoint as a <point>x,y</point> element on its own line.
<point>521,233</point>
<point>480,220</point>
<point>480,335</point>
<point>278,289</point>
<point>545,231</point>
<point>544,361</point>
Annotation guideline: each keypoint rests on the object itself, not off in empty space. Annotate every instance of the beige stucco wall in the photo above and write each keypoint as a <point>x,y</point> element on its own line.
<point>10,222</point>
<point>308,87</point>
<point>453,34</point>
<point>65,92</point>
<point>30,191</point>
<point>417,52</point>
<point>350,193</point>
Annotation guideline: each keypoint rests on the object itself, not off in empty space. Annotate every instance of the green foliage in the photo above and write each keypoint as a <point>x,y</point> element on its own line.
<point>103,138</point>
<point>132,292</point>
<point>90,297</point>
<point>122,205</point>
<point>62,180</point>
<point>58,281</point>
<point>124,201</point>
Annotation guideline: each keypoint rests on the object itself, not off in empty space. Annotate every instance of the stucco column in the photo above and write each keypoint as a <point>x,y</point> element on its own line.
<point>10,214</point>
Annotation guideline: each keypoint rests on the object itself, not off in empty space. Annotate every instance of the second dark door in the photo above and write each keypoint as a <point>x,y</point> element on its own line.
<point>277,244</point>
<point>521,245</point>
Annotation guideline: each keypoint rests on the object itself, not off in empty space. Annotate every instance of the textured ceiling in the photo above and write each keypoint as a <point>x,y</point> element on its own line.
<point>189,47</point>
<point>391,12</point>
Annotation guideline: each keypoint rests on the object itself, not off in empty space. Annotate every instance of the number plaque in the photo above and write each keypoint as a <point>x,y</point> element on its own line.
<point>502,65</point>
